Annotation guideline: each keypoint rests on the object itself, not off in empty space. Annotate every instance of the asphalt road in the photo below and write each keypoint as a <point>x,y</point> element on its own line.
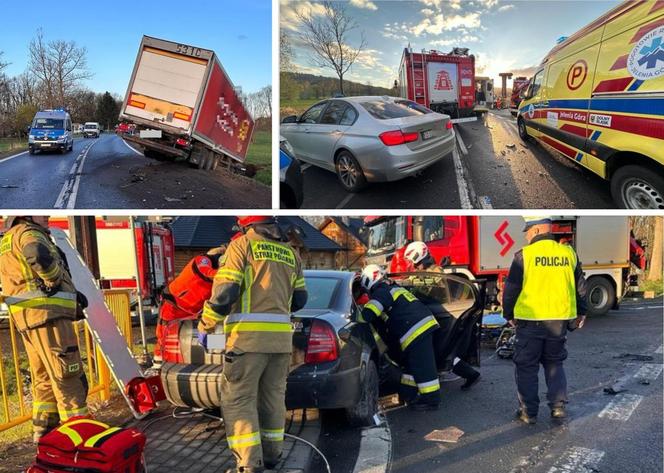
<point>106,173</point>
<point>494,169</point>
<point>604,433</point>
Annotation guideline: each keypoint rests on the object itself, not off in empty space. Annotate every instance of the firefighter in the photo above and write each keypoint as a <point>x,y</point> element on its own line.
<point>544,297</point>
<point>259,283</point>
<point>419,255</point>
<point>43,304</point>
<point>409,326</point>
<point>185,296</point>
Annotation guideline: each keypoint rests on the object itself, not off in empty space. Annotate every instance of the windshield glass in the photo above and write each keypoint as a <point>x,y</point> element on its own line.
<point>321,292</point>
<point>387,235</point>
<point>48,123</point>
<point>91,127</point>
<point>385,110</point>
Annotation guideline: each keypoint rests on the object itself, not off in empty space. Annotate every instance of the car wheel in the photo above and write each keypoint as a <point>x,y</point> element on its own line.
<point>349,172</point>
<point>362,414</point>
<point>523,132</point>
<point>31,151</point>
<point>637,187</point>
<point>601,296</point>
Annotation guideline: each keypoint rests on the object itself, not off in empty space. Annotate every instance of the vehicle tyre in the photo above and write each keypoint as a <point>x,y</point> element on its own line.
<point>637,187</point>
<point>523,132</point>
<point>148,153</point>
<point>601,296</point>
<point>350,172</point>
<point>362,414</point>
<point>31,151</point>
<point>202,162</point>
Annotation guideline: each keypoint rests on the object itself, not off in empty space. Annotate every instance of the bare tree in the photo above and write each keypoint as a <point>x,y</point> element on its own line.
<point>327,37</point>
<point>59,65</point>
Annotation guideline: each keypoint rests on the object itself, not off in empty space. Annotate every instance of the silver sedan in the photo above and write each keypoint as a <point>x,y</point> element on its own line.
<point>369,139</point>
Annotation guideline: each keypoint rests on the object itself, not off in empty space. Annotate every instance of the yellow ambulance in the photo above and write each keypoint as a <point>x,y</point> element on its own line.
<point>598,98</point>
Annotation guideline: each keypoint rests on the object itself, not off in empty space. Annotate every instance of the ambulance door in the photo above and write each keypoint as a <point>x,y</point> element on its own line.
<point>533,102</point>
<point>568,88</point>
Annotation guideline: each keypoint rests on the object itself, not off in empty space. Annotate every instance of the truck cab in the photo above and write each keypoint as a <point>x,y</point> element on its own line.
<point>51,130</point>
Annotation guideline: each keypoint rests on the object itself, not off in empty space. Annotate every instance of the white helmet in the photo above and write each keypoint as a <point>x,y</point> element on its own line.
<point>416,252</point>
<point>371,274</point>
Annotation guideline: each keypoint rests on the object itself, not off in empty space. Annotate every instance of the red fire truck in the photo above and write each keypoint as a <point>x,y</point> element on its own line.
<point>445,83</point>
<point>519,86</point>
<point>483,247</point>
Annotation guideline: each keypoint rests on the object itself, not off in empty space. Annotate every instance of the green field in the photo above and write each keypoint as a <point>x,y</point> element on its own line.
<point>260,155</point>
<point>11,144</point>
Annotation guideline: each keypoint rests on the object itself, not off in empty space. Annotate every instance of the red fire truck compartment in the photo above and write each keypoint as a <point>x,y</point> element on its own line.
<point>442,82</point>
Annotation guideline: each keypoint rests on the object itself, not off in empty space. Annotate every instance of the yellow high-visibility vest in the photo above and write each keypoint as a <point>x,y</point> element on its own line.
<point>549,289</point>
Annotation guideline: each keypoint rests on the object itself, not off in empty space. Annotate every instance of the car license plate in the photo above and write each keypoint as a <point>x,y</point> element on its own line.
<point>46,145</point>
<point>427,134</point>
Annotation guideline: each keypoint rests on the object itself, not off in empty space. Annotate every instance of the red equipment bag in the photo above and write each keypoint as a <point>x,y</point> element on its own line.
<point>89,446</point>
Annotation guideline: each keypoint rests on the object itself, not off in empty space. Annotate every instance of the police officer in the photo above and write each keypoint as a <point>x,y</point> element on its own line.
<point>43,304</point>
<point>408,325</point>
<point>259,283</point>
<point>419,255</point>
<point>544,297</point>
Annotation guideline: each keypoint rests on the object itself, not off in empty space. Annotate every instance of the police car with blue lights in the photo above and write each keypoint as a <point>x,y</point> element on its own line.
<point>51,130</point>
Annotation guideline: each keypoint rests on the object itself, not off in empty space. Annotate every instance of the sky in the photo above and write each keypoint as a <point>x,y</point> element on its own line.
<point>504,35</point>
<point>239,31</point>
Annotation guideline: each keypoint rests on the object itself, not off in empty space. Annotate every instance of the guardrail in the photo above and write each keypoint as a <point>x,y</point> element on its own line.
<point>15,399</point>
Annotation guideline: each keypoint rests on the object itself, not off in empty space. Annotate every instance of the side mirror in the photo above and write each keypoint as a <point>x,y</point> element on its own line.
<point>290,119</point>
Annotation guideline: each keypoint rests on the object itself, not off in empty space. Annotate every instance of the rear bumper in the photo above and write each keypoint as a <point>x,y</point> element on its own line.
<point>401,162</point>
<point>322,388</point>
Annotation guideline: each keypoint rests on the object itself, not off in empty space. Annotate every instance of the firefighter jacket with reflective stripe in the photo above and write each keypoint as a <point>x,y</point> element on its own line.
<point>545,282</point>
<point>405,317</point>
<point>31,264</point>
<point>192,287</point>
<point>259,282</point>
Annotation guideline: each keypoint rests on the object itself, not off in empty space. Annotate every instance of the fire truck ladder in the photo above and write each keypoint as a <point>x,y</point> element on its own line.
<point>418,74</point>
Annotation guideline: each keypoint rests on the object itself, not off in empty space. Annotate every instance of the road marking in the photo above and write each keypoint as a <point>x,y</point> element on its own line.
<point>132,148</point>
<point>462,145</point>
<point>650,372</point>
<point>67,197</point>
<point>660,349</point>
<point>375,452</point>
<point>621,407</point>
<point>12,157</point>
<point>578,460</point>
<point>485,202</point>
<point>345,201</point>
<point>462,184</point>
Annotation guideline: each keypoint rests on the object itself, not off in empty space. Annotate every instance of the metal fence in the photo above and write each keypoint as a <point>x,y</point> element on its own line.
<point>15,375</point>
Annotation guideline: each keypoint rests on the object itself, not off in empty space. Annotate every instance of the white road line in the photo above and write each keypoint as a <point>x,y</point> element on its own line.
<point>621,407</point>
<point>67,197</point>
<point>578,460</point>
<point>132,148</point>
<point>12,156</point>
<point>462,145</point>
<point>375,450</point>
<point>660,349</point>
<point>345,201</point>
<point>462,184</point>
<point>650,372</point>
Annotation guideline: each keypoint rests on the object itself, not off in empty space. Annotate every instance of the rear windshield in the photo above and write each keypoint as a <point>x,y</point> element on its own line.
<point>386,109</point>
<point>91,127</point>
<point>48,123</point>
<point>321,292</point>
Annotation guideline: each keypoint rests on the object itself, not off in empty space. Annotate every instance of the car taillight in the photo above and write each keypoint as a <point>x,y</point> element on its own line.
<point>397,137</point>
<point>181,142</point>
<point>322,346</point>
<point>449,125</point>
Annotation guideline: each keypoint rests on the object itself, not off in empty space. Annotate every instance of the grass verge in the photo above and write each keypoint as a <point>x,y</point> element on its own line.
<point>260,155</point>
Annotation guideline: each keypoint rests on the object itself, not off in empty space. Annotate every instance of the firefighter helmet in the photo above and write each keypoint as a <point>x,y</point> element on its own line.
<point>416,252</point>
<point>371,274</point>
<point>247,220</point>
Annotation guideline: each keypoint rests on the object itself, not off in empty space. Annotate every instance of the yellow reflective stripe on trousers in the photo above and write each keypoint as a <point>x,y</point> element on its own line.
<point>246,440</point>
<point>66,414</point>
<point>92,440</point>
<point>257,327</point>
<point>428,387</point>
<point>72,434</point>
<point>246,288</point>
<point>273,435</point>
<point>230,274</point>
<point>416,330</point>
<point>44,301</point>
<point>408,380</point>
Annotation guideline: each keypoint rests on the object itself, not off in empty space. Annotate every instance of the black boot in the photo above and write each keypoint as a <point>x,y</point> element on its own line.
<point>523,416</point>
<point>463,369</point>
<point>422,405</point>
<point>558,412</point>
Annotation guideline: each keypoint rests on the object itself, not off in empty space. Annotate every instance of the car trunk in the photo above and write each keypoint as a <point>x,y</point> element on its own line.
<point>431,129</point>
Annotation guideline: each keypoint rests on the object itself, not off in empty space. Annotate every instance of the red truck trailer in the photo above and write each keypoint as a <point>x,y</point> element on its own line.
<point>185,106</point>
<point>483,247</point>
<point>445,83</point>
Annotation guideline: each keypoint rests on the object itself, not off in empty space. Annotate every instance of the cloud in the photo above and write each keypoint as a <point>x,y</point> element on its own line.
<point>365,4</point>
<point>441,23</point>
<point>460,41</point>
<point>503,8</point>
<point>288,13</point>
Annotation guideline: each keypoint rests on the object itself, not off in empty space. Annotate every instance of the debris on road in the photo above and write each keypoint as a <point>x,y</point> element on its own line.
<point>511,146</point>
<point>615,389</point>
<point>447,435</point>
<point>634,357</point>
<point>9,187</point>
<point>172,199</point>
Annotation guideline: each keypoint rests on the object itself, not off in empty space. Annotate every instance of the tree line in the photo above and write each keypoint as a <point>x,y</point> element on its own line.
<point>54,78</point>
